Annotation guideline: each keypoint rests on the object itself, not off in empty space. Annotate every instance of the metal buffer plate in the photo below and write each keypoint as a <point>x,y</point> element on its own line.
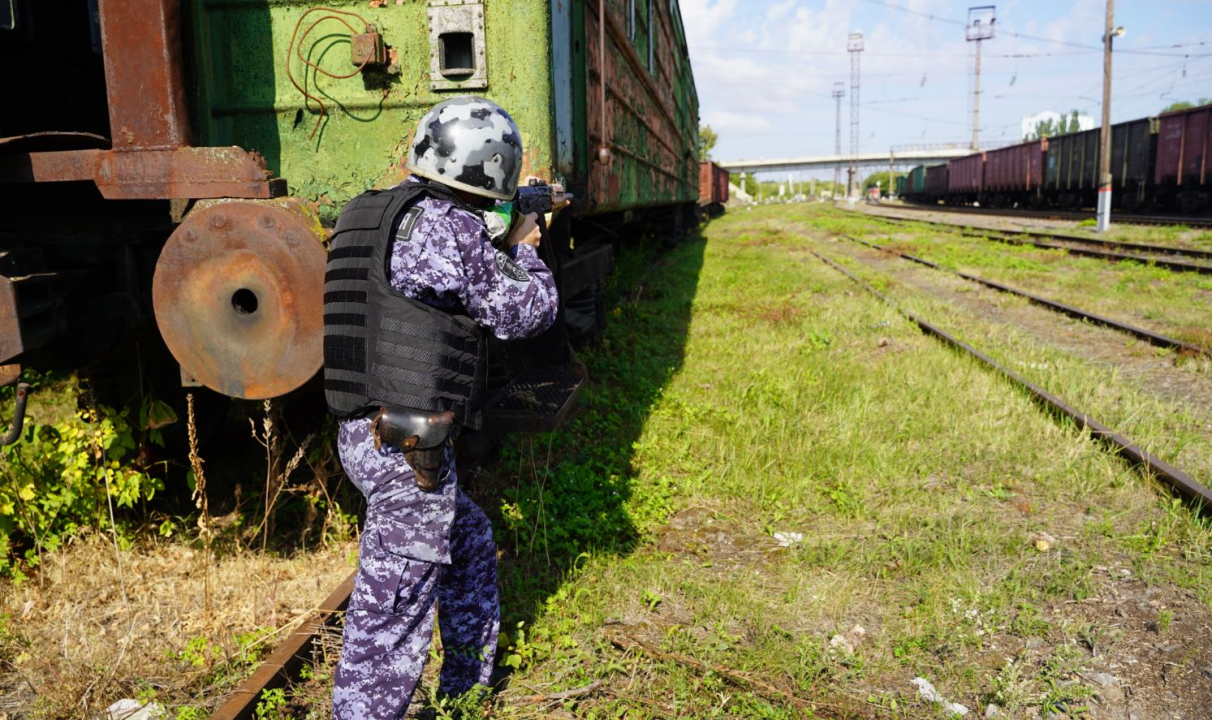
<point>537,400</point>
<point>238,295</point>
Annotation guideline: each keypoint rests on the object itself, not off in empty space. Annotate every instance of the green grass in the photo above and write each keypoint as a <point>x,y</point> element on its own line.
<point>1172,429</point>
<point>1173,303</point>
<point>918,479</point>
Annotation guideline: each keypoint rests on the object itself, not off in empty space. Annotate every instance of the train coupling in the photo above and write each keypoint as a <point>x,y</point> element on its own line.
<point>14,432</point>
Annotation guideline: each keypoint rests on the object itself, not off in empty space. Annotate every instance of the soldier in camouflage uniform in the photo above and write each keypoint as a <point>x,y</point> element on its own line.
<point>424,548</point>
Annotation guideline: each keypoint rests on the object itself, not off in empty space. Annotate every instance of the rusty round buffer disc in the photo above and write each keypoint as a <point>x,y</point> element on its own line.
<point>238,294</point>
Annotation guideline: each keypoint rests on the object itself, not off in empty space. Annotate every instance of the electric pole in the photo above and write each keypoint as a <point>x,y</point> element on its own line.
<point>854,46</point>
<point>891,185</point>
<point>1104,135</point>
<point>981,20</point>
<point>839,90</point>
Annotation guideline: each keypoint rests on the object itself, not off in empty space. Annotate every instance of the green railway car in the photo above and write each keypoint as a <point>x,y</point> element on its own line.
<point>540,59</point>
<point>184,182</point>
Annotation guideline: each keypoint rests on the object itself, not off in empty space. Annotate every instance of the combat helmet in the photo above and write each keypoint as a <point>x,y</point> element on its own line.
<point>469,143</point>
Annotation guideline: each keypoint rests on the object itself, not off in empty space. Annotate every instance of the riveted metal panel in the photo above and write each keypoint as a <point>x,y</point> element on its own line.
<point>447,18</point>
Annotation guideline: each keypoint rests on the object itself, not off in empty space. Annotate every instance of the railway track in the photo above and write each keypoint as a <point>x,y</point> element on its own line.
<point>1178,481</point>
<point>282,666</point>
<point>1148,336</point>
<point>1171,258</point>
<point>1119,218</point>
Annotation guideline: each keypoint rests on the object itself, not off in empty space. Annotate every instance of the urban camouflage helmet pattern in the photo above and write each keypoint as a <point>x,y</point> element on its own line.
<point>471,144</point>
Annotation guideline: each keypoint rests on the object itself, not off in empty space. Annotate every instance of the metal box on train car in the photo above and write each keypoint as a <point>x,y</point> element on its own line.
<point>901,184</point>
<point>1184,151</point>
<point>966,177</point>
<point>1071,165</point>
<point>1017,170</point>
<point>936,181</point>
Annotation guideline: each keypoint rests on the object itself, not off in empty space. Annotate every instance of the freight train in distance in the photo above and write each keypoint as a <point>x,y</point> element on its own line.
<point>166,198</point>
<point>1157,163</point>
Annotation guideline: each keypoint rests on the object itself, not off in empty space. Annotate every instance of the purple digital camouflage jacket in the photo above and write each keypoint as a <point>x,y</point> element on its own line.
<point>447,262</point>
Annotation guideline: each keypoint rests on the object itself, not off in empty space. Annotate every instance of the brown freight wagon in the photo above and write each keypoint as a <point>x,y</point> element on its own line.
<point>1014,175</point>
<point>713,189</point>
<point>965,179</point>
<point>1184,150</point>
<point>1071,171</point>
<point>936,183</point>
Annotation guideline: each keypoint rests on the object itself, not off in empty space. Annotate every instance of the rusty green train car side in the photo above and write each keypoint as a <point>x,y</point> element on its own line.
<point>278,78</point>
<point>180,190</point>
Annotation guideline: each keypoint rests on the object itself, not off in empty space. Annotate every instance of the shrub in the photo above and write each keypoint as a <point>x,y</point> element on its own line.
<point>54,481</point>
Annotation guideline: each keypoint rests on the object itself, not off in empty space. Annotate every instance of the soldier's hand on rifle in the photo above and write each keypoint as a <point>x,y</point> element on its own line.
<point>526,231</point>
<point>559,198</point>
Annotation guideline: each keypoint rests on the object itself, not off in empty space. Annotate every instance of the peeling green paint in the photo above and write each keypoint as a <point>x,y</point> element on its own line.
<point>245,98</point>
<point>242,96</point>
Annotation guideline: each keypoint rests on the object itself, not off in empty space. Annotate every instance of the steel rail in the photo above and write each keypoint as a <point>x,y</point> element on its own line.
<point>1096,242</point>
<point>1118,218</point>
<point>1147,335</point>
<point>1181,483</point>
<point>1176,265</point>
<point>284,663</point>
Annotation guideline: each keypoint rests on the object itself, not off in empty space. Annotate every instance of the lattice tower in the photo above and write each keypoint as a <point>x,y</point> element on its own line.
<point>854,46</point>
<point>839,90</point>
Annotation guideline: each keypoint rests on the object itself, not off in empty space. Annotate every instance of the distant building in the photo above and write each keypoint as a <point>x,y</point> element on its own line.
<point>1084,122</point>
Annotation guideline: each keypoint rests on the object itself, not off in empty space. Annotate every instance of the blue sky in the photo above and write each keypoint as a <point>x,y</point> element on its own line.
<point>765,68</point>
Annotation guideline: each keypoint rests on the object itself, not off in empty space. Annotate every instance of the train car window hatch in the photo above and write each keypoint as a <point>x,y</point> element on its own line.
<point>457,59</point>
<point>457,53</point>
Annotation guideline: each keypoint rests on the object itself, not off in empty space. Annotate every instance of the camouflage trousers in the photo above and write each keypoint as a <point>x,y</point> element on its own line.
<point>389,623</point>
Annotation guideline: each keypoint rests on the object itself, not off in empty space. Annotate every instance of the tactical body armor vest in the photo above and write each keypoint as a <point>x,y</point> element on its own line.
<point>382,348</point>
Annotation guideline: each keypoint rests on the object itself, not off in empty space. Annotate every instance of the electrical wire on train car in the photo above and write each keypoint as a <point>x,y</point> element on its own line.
<point>366,48</point>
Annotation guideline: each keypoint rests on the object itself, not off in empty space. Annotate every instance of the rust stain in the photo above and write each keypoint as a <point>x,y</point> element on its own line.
<point>9,374</point>
<point>238,295</point>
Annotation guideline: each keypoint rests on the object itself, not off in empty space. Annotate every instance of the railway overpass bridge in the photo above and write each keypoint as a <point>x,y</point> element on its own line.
<point>896,156</point>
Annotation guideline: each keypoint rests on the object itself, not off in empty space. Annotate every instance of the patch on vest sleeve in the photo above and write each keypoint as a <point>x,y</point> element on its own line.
<point>408,223</point>
<point>511,269</point>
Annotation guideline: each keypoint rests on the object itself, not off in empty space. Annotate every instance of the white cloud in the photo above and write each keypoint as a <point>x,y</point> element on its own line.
<point>738,123</point>
<point>764,70</point>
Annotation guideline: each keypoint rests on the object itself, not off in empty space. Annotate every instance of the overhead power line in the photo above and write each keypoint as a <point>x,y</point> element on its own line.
<point>1022,36</point>
<point>924,55</point>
